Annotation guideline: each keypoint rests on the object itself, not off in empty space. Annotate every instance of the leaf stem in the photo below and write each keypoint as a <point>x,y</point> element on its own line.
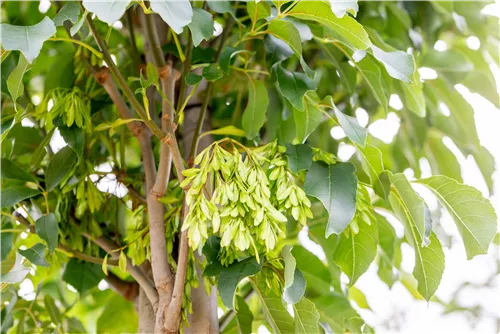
<point>75,41</point>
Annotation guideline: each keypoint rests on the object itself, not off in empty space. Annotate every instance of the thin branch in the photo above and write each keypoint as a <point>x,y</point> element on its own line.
<point>128,290</point>
<point>186,67</point>
<point>121,80</point>
<point>145,283</point>
<point>131,35</point>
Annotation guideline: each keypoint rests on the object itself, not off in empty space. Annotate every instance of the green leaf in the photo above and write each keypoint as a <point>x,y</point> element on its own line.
<point>447,61</point>
<point>244,316</point>
<point>27,39</point>
<point>441,159</point>
<point>258,10</point>
<point>373,76</point>
<point>176,14</point>
<point>400,65</point>
<point>211,250</point>
<point>82,275</point>
<point>340,8</point>
<point>122,262</point>
<point>359,297</point>
<point>336,311</point>
<point>15,83</point>
<point>275,313</point>
<point>107,11</point>
<point>294,293</point>
<point>355,252</point>
<point>473,214</point>
<point>313,269</point>
<point>306,317</point>
<point>193,79</point>
<point>46,228</point>
<point>307,121</point>
<point>70,11</point>
<point>118,316</point>
<point>429,259</point>
<point>229,130</point>
<point>373,165</point>
<point>7,239</point>
<point>202,26</point>
<point>212,72</point>
<point>17,273</point>
<point>50,306</point>
<point>293,86</point>
<point>486,163</point>
<point>286,31</point>
<point>414,98</point>
<point>35,255</point>
<point>60,165</point>
<point>386,237</point>
<point>220,7</point>
<point>255,112</point>
<point>335,186</point>
<point>412,205</point>
<point>444,6</point>
<point>232,275</point>
<point>347,29</point>
<point>115,124</point>
<point>352,129</point>
<point>40,152</point>
<point>74,137</point>
<point>13,195</point>
<point>12,171</point>
<point>104,266</point>
<point>76,28</point>
<point>299,157</point>
<point>290,265</point>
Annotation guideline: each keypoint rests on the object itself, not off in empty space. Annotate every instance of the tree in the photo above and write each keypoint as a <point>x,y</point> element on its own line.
<point>179,162</point>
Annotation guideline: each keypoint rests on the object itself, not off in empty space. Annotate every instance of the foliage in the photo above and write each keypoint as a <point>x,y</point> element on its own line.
<point>272,84</point>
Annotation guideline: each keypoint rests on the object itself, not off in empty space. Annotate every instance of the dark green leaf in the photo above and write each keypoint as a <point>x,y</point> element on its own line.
<point>7,239</point>
<point>441,159</point>
<point>258,10</point>
<point>211,250</point>
<point>255,112</point>
<point>299,157</point>
<point>294,292</point>
<point>244,316</point>
<point>307,121</point>
<point>293,86</point>
<point>212,72</point>
<point>13,195</point>
<point>232,275</point>
<point>373,76</point>
<point>74,137</point>
<point>335,310</point>
<point>11,171</point>
<point>193,78</point>
<point>60,165</point>
<point>335,186</point>
<point>82,275</point>
<point>27,39</point>
<point>41,150</point>
<point>202,26</point>
<point>46,228</point>
<point>35,255</point>
<point>314,271</point>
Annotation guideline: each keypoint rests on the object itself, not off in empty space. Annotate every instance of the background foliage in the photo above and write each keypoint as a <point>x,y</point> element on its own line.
<point>284,72</point>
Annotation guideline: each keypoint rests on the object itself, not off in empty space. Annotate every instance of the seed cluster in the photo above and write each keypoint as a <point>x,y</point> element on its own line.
<point>252,194</point>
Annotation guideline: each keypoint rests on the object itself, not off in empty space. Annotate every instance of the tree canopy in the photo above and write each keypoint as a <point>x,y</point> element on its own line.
<point>180,150</point>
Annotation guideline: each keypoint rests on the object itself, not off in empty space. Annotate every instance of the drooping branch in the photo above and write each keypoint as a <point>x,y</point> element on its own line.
<point>144,282</point>
<point>128,290</point>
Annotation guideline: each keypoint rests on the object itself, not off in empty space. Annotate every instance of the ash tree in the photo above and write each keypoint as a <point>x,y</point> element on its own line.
<point>177,149</point>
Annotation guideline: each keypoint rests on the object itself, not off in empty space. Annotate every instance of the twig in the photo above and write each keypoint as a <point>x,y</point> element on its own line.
<point>122,82</point>
<point>129,290</point>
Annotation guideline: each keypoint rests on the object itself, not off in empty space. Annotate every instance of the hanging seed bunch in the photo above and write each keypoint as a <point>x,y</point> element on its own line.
<point>251,194</point>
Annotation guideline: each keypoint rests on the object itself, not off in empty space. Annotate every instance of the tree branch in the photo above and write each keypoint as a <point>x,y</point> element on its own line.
<point>122,82</point>
<point>128,290</point>
<point>144,282</point>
